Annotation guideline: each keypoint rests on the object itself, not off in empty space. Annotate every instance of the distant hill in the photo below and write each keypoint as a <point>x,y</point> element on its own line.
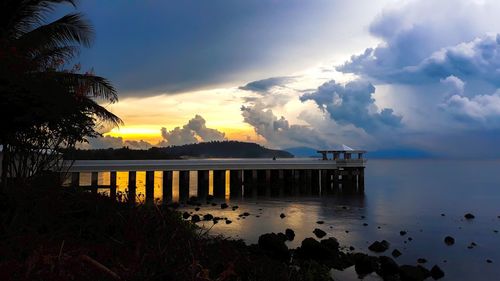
<point>303,151</point>
<point>216,149</point>
<point>400,153</point>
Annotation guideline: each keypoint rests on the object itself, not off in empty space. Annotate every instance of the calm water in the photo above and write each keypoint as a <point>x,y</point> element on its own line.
<point>405,195</point>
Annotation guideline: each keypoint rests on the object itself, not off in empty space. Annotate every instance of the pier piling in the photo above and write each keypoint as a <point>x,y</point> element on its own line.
<point>167,186</point>
<point>203,184</point>
<point>112,185</point>
<point>132,175</point>
<point>150,177</point>
<point>183,185</point>
<point>219,183</point>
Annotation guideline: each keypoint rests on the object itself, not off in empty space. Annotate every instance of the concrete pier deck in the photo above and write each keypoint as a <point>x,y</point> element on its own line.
<point>214,164</point>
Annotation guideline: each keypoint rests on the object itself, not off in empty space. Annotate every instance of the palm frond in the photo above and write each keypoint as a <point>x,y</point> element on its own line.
<point>101,113</point>
<point>18,17</point>
<point>88,84</point>
<point>45,58</point>
<point>71,29</point>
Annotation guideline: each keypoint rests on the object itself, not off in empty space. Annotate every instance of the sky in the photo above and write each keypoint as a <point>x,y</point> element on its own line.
<point>371,74</point>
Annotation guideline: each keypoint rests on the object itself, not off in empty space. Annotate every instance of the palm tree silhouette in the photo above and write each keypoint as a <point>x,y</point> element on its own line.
<point>42,102</point>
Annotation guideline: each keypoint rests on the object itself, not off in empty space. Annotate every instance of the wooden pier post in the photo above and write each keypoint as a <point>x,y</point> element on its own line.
<point>267,183</point>
<point>203,184</point>
<point>150,187</point>
<point>219,183</point>
<point>235,183</point>
<point>361,180</point>
<point>248,184</point>
<point>281,183</point>
<point>296,182</point>
<point>112,185</point>
<point>167,186</point>
<point>94,182</point>
<point>183,185</point>
<point>132,186</point>
<point>75,179</point>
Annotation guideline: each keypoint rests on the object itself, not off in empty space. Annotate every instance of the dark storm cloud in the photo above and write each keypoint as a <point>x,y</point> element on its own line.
<point>353,104</point>
<point>146,47</point>
<point>264,85</point>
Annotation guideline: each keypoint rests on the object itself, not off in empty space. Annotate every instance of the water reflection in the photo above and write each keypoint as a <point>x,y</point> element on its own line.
<point>259,184</point>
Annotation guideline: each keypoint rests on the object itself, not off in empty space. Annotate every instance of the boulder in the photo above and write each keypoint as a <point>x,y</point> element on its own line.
<point>320,222</point>
<point>274,246</point>
<point>388,267</point>
<point>312,249</point>
<point>379,246</point>
<point>331,244</point>
<point>185,215</point>
<point>290,234</point>
<point>469,216</point>
<point>402,233</point>
<point>208,217</point>
<point>319,233</point>
<point>195,218</point>
<point>396,253</point>
<point>228,221</point>
<point>413,273</point>
<point>282,215</point>
<point>365,264</point>
<point>436,272</point>
<point>448,240</point>
<point>223,206</point>
<point>421,260</point>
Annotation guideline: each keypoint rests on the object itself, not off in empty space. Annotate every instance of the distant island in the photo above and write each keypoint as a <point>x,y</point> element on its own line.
<point>215,149</point>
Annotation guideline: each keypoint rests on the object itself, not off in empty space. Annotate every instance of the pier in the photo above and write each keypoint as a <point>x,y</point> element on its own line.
<point>337,171</point>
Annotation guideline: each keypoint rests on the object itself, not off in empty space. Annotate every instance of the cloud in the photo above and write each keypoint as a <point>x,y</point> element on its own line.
<point>423,42</point>
<point>194,131</point>
<point>277,131</point>
<point>353,103</point>
<point>114,142</point>
<point>264,85</point>
<point>479,109</point>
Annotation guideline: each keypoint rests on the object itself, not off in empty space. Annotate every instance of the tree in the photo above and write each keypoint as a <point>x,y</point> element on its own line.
<point>44,106</point>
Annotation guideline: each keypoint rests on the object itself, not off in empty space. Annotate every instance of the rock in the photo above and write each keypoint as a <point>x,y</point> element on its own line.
<point>185,215</point>
<point>396,253</point>
<point>319,233</point>
<point>347,231</point>
<point>195,218</point>
<point>274,246</point>
<point>495,231</point>
<point>208,217</point>
<point>379,247</point>
<point>197,209</point>
<point>290,234</point>
<point>331,244</point>
<point>365,224</point>
<point>388,267</point>
<point>469,216</point>
<point>282,236</point>
<point>362,217</point>
<point>443,215</point>
<point>246,214</point>
<point>421,260</point>
<point>410,239</point>
<point>344,207</point>
<point>320,222</point>
<point>312,249</point>
<point>472,245</point>
<point>223,206</point>
<point>436,272</point>
<point>215,220</point>
<point>234,208</point>
<point>351,248</point>
<point>228,221</point>
<point>402,233</point>
<point>413,273</point>
<point>489,261</point>
<point>448,240</point>
<point>282,215</point>
<point>365,264</point>
<point>214,204</point>
<point>378,227</point>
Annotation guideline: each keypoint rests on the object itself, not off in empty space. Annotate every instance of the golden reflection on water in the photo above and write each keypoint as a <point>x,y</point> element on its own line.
<point>104,179</point>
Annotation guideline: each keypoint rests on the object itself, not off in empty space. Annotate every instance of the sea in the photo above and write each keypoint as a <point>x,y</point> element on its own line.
<point>426,199</point>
